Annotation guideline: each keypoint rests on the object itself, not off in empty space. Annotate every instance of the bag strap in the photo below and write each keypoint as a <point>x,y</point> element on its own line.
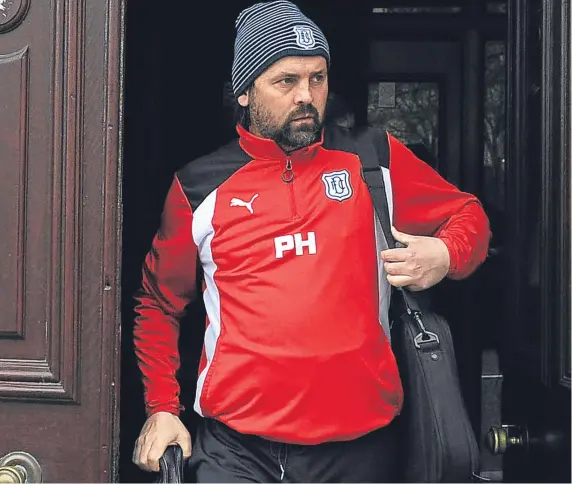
<point>372,148</point>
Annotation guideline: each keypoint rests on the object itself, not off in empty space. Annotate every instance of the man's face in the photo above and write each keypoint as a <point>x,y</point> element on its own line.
<point>288,101</point>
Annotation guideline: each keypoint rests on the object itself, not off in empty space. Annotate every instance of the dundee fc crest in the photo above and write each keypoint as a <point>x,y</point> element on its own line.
<point>304,37</point>
<point>338,186</point>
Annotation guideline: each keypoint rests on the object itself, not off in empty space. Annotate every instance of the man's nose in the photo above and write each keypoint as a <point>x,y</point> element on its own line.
<point>303,93</point>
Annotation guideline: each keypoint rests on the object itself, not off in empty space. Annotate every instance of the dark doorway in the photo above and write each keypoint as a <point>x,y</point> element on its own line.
<point>173,113</point>
<point>451,55</point>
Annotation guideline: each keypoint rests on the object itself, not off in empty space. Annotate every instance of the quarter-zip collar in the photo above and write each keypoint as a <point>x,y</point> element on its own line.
<point>264,148</point>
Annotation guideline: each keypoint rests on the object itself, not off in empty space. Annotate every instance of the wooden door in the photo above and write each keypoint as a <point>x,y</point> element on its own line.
<point>60,71</point>
<point>535,346</point>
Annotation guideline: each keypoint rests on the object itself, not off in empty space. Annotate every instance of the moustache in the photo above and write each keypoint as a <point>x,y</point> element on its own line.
<point>307,110</point>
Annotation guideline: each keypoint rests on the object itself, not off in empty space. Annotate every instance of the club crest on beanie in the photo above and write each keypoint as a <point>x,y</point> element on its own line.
<point>267,32</point>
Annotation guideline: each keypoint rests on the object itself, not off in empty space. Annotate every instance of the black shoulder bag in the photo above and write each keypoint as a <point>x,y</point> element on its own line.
<point>437,440</point>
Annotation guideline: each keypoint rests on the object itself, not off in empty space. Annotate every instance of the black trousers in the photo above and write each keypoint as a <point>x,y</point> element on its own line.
<point>221,454</point>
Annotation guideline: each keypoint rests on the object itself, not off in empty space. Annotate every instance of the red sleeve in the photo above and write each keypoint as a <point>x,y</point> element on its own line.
<point>425,204</point>
<point>168,285</point>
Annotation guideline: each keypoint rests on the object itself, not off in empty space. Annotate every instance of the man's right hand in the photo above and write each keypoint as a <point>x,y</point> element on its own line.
<point>160,430</point>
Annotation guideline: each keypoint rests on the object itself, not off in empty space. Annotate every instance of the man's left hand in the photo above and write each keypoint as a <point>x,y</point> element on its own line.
<point>422,264</point>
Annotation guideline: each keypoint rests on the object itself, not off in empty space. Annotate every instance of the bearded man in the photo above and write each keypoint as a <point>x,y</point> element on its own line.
<point>297,380</point>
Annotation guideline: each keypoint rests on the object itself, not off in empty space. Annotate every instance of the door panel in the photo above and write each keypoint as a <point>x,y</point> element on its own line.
<point>59,134</point>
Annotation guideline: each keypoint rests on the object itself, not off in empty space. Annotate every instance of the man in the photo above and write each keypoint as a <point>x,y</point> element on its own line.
<point>297,381</point>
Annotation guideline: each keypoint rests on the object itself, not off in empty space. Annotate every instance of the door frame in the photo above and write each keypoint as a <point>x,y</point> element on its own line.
<point>113,229</point>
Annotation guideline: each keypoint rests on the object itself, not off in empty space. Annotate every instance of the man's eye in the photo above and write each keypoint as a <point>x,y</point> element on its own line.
<point>319,77</point>
<point>287,80</point>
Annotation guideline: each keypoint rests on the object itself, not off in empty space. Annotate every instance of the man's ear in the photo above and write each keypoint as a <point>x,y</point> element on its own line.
<point>244,99</point>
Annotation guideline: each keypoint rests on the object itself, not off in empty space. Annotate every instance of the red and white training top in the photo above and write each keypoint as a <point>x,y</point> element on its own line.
<point>295,345</point>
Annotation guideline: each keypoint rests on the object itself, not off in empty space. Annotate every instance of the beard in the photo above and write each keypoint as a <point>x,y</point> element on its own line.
<point>289,135</point>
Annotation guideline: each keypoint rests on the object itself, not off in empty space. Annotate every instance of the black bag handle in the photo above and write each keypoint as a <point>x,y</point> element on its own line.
<point>171,466</point>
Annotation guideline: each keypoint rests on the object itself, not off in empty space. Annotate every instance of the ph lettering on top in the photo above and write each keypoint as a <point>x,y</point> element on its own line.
<point>296,242</point>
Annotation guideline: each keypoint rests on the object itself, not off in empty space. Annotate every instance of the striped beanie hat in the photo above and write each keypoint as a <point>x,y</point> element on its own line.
<point>268,31</point>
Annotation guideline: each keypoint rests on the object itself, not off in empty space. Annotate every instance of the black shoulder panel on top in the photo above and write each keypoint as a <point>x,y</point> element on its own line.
<point>203,175</point>
<point>343,139</point>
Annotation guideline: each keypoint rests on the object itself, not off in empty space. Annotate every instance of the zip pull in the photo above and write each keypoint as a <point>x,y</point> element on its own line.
<point>288,174</point>
<point>282,470</point>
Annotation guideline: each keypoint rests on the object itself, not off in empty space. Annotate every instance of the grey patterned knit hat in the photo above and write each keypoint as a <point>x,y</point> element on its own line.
<point>267,32</point>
